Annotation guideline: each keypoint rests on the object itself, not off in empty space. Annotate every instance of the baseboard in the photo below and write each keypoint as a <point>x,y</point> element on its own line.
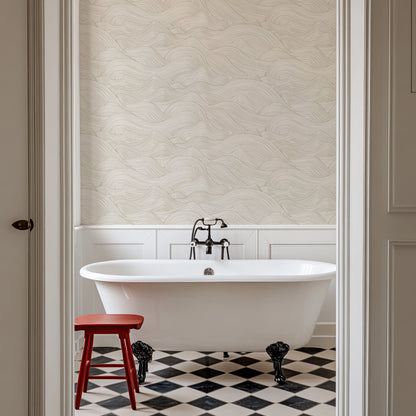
<point>78,344</point>
<point>324,336</point>
<point>322,342</point>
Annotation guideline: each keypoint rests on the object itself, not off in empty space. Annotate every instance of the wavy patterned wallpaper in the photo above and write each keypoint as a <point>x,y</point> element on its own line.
<point>195,108</point>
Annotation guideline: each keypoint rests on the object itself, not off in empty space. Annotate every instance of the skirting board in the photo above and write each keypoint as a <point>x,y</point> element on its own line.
<point>324,337</point>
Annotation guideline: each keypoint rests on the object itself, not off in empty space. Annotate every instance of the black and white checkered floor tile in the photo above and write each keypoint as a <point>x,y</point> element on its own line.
<point>190,383</point>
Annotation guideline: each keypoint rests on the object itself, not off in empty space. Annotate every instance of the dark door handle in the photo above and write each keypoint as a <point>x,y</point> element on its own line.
<point>23,225</point>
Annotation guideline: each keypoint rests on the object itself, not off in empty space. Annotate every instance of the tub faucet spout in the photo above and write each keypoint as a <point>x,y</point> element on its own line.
<point>208,244</point>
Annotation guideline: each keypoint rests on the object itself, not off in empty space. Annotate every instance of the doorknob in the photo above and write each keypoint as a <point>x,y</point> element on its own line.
<point>23,225</point>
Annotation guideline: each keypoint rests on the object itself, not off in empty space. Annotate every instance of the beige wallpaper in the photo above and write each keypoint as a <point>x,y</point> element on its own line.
<point>195,108</point>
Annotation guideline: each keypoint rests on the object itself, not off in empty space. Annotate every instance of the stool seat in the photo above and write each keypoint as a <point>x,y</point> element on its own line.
<point>108,321</point>
<point>120,324</point>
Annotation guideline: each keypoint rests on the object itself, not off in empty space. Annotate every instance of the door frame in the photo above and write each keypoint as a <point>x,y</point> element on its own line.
<point>353,69</point>
<point>36,160</point>
<point>352,206</point>
<point>50,312</point>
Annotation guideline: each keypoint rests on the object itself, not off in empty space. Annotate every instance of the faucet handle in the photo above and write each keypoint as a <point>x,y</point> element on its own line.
<point>192,251</point>
<point>224,242</point>
<point>214,221</point>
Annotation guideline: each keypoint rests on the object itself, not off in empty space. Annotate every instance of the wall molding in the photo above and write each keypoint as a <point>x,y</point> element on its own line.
<point>324,335</point>
<point>392,136</point>
<point>393,206</point>
<point>316,242</point>
<point>66,59</point>
<point>392,245</point>
<point>186,227</point>
<point>413,33</point>
<point>189,227</point>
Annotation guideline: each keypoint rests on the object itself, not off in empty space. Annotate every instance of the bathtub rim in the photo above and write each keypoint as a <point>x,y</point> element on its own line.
<point>198,278</point>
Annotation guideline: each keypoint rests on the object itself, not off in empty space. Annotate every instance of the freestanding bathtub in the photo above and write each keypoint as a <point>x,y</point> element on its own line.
<point>244,306</point>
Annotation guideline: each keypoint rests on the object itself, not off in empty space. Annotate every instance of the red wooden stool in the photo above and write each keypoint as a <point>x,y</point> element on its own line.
<point>108,324</point>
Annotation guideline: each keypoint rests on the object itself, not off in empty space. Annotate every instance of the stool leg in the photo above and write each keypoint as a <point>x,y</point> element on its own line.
<point>88,362</point>
<point>127,369</point>
<point>81,374</point>
<point>132,365</point>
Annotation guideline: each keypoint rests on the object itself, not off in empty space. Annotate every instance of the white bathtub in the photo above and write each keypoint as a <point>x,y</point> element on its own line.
<point>245,306</point>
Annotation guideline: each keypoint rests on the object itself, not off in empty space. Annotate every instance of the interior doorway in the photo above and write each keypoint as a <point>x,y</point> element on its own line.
<point>110,241</point>
<point>346,332</point>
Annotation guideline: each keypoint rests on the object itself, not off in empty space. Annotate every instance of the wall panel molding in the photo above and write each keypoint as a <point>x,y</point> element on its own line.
<point>401,326</point>
<point>100,244</point>
<point>317,243</point>
<point>413,30</point>
<point>401,107</point>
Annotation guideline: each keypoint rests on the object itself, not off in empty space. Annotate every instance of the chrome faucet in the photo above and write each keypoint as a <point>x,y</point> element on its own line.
<point>206,224</point>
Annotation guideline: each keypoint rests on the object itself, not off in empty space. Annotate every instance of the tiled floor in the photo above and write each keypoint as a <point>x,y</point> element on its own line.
<point>190,383</point>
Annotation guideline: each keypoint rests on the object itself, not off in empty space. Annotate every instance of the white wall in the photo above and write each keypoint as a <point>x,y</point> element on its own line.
<point>99,243</point>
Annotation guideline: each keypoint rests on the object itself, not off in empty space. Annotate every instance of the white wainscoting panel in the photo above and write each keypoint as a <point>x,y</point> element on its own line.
<point>109,243</point>
<point>317,243</point>
<point>313,243</point>
<point>120,243</point>
<point>100,243</point>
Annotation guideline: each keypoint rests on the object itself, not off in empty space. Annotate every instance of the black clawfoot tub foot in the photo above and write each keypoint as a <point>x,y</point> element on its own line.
<point>143,352</point>
<point>277,352</point>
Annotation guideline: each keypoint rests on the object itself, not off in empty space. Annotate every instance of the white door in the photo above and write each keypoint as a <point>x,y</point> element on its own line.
<point>392,209</point>
<point>14,206</point>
